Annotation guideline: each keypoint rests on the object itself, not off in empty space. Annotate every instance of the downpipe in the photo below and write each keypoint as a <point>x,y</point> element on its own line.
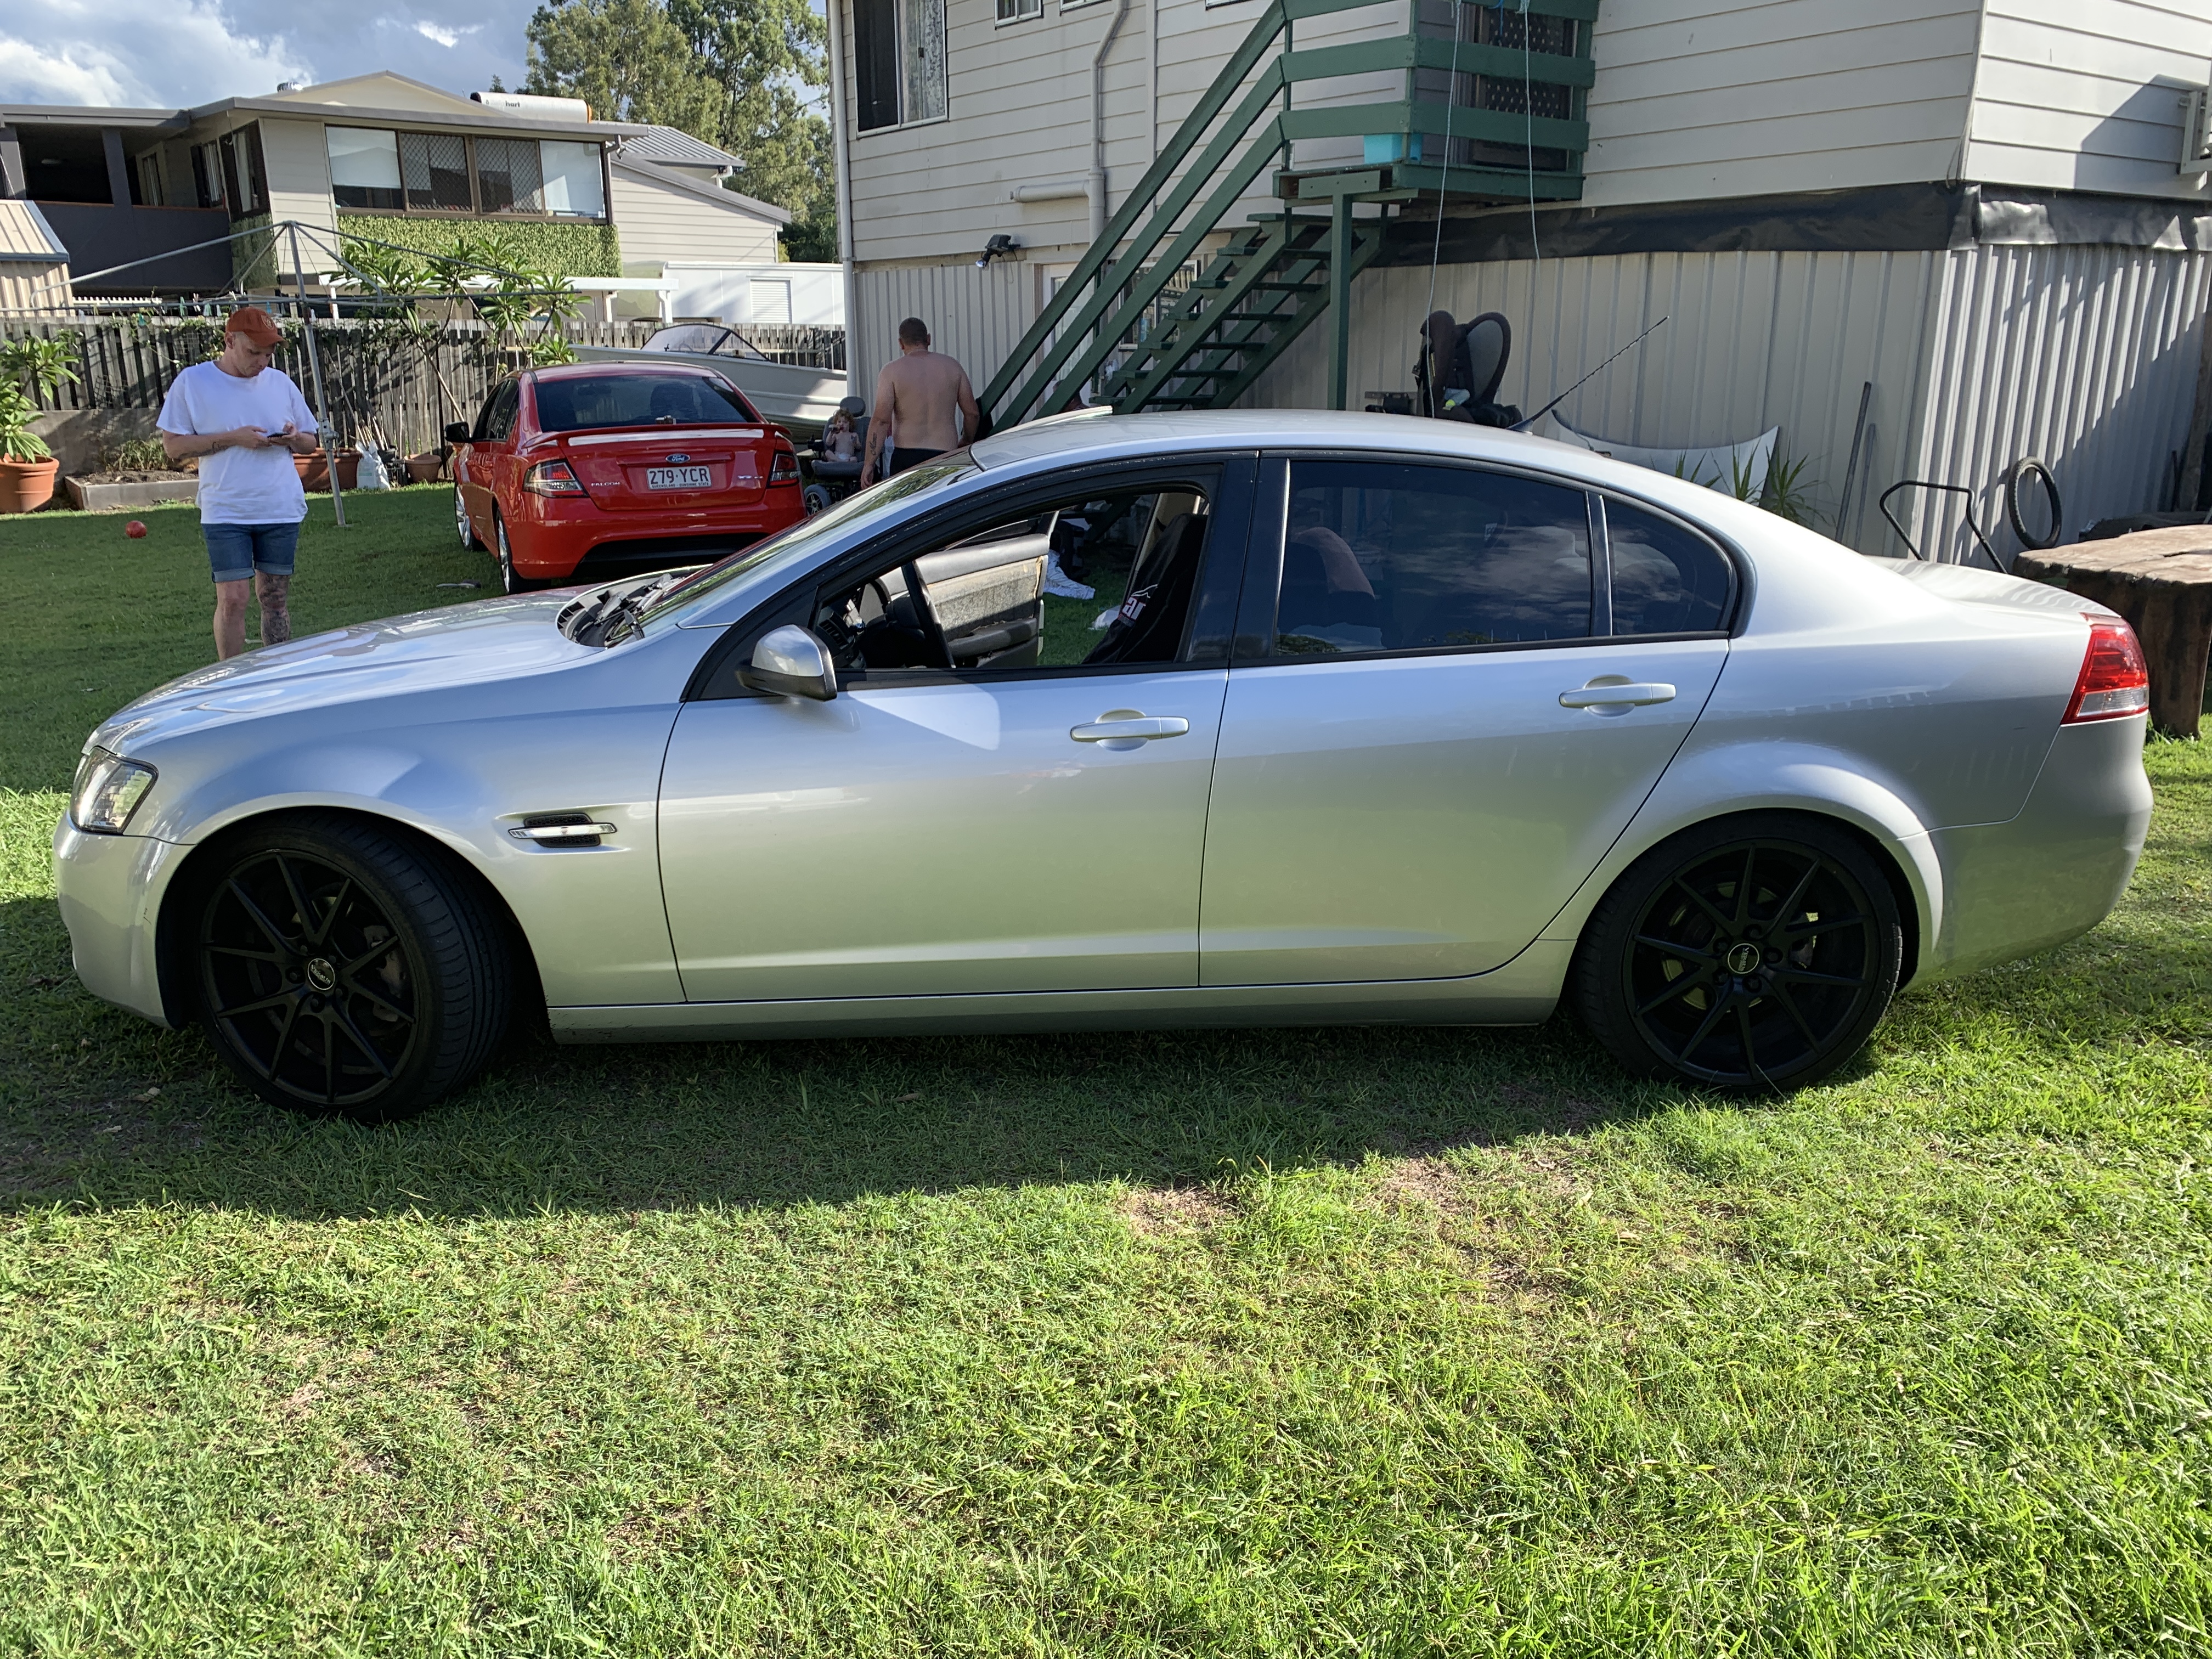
<point>1095,182</point>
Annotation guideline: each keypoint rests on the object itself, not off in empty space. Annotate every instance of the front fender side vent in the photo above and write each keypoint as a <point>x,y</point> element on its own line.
<point>562,830</point>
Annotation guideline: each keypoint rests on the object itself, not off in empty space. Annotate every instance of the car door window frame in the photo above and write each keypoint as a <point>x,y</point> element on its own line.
<point>1254,643</point>
<point>1227,479</point>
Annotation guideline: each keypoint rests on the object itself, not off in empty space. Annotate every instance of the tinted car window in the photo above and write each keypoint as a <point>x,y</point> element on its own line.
<point>1665,579</point>
<point>1388,556</point>
<point>578,403</point>
<point>497,419</point>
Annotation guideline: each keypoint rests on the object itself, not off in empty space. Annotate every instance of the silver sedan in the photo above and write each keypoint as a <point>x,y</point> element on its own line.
<point>1367,720</point>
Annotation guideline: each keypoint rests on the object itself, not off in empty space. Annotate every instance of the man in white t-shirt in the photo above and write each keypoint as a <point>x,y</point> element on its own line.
<point>247,421</point>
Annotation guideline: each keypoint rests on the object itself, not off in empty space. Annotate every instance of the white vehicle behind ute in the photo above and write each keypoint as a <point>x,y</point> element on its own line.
<point>1393,721</point>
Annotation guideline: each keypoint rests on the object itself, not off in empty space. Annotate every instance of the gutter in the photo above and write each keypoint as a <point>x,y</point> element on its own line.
<point>841,143</point>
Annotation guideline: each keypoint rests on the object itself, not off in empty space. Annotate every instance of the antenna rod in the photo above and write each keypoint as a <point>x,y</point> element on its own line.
<point>1522,426</point>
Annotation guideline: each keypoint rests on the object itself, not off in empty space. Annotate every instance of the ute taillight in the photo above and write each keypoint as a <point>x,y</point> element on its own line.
<point>2114,681</point>
<point>552,479</point>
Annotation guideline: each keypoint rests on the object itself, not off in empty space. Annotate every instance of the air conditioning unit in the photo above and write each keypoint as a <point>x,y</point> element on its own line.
<point>2196,132</point>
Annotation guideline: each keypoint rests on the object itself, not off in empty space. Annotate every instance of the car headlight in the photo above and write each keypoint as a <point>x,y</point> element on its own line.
<point>107,791</point>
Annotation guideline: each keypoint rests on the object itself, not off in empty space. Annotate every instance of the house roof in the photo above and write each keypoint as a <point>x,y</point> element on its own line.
<point>675,178</point>
<point>672,148</point>
<point>26,236</point>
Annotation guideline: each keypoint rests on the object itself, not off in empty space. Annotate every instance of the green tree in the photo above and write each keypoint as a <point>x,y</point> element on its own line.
<point>738,74</point>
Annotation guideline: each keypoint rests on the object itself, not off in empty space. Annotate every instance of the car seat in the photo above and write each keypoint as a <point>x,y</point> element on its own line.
<point>1461,368</point>
<point>1150,626</point>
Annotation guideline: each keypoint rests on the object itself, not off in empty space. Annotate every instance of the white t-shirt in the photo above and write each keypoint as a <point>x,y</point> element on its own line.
<point>240,486</point>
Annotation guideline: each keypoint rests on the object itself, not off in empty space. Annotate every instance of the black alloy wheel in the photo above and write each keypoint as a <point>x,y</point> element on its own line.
<point>1758,953</point>
<point>467,531</point>
<point>341,972</point>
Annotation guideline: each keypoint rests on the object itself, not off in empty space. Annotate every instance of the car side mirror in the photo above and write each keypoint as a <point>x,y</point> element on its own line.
<point>791,662</point>
<point>457,432</point>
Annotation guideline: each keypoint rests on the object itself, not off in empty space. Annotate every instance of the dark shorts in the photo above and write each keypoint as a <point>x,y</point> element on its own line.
<point>236,551</point>
<point>904,458</point>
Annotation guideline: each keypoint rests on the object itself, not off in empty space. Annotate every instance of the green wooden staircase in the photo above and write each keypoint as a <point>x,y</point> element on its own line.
<point>1490,110</point>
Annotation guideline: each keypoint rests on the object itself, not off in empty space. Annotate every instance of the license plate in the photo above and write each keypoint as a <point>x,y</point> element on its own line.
<point>678,477</point>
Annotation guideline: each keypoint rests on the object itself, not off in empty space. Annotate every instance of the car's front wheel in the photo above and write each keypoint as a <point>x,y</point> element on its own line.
<point>343,972</point>
<point>1755,953</point>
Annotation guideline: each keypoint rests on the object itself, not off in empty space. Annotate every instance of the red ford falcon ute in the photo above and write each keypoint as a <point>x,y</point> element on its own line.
<point>589,471</point>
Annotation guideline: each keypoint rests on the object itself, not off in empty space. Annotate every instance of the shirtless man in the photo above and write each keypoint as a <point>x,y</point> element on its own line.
<point>916,397</point>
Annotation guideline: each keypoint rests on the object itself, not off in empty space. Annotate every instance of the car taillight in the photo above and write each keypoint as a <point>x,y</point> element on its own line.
<point>2114,680</point>
<point>784,469</point>
<point>551,478</point>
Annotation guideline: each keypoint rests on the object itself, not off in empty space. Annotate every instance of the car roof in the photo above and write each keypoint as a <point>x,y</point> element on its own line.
<point>584,371</point>
<point>1099,435</point>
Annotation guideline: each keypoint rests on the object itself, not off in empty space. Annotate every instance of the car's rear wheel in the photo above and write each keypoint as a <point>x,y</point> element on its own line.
<point>343,973</point>
<point>1758,953</point>
<point>467,531</point>
<point>509,580</point>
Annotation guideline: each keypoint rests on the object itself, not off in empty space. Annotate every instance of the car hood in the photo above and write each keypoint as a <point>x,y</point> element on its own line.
<point>461,645</point>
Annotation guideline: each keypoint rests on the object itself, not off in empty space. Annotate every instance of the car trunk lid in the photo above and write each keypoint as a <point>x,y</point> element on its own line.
<point>656,468</point>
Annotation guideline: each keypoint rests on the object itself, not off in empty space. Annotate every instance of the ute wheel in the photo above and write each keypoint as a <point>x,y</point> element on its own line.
<point>509,580</point>
<point>467,531</point>
<point>342,973</point>
<point>1754,954</point>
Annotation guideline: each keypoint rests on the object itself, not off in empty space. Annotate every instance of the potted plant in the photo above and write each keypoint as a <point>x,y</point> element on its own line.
<point>32,365</point>
<point>28,467</point>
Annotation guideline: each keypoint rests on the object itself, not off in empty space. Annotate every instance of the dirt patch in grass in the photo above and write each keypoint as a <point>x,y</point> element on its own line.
<point>1163,1212</point>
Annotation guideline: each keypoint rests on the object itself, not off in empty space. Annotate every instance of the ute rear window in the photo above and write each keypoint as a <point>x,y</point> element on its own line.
<point>578,403</point>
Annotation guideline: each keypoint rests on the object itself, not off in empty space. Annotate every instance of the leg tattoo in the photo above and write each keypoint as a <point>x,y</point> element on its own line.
<point>275,593</point>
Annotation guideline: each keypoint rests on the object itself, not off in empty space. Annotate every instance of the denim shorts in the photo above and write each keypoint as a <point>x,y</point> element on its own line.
<point>235,551</point>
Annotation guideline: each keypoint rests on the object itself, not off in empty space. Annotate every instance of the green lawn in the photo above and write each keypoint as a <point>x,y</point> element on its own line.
<point>1313,1342</point>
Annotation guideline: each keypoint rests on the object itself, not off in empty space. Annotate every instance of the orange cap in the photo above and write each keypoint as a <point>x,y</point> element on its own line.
<point>255,323</point>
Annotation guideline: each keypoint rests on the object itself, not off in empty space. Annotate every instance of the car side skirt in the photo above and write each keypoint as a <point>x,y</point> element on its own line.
<point>1524,992</point>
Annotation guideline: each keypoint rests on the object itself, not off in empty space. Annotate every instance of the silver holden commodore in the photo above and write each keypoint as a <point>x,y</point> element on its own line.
<point>1369,719</point>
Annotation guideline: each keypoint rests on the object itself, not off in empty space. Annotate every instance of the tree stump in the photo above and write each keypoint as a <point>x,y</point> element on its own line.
<point>2162,582</point>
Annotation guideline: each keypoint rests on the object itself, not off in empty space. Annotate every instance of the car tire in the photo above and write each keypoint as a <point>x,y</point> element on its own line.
<point>471,543</point>
<point>341,971</point>
<point>509,581</point>
<point>1755,954</point>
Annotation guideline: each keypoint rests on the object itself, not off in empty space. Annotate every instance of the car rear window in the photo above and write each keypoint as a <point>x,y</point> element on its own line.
<point>579,402</point>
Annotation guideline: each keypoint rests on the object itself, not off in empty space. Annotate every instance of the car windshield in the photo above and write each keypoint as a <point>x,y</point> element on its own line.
<point>706,339</point>
<point>764,560</point>
<point>577,402</point>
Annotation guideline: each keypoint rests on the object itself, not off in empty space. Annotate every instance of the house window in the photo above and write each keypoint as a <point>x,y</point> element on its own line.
<point>898,61</point>
<point>364,167</point>
<point>576,188</point>
<point>383,171</point>
<point>1012,11</point>
<point>228,173</point>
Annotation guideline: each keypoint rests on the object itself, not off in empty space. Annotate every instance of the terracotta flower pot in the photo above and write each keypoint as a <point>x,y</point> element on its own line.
<point>27,486</point>
<point>426,468</point>
<point>314,469</point>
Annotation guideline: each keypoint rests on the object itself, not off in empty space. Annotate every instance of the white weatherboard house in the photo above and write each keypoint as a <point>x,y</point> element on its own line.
<point>377,156</point>
<point>1925,241</point>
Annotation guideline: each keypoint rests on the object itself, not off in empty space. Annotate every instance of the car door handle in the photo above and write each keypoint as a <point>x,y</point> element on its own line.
<point>1618,695</point>
<point>1126,729</point>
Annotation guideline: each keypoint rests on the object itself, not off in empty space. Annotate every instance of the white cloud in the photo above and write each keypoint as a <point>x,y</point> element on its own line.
<point>167,53</point>
<point>137,53</point>
<point>443,35</point>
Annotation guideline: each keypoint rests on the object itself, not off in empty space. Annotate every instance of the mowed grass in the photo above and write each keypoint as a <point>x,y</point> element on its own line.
<point>1302,1342</point>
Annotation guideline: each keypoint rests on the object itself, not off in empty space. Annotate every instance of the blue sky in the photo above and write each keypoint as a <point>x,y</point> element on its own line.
<point>176,52</point>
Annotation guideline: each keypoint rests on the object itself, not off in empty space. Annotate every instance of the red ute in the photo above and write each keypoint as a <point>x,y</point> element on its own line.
<point>587,471</point>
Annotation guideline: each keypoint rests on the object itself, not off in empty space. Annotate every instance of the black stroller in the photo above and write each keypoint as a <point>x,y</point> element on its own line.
<point>829,481</point>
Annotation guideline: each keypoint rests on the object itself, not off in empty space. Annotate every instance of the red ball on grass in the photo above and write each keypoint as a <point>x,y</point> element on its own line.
<point>135,529</point>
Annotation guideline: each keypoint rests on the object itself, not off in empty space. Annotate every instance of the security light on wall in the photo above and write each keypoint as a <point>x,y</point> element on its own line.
<point>2196,132</point>
<point>998,247</point>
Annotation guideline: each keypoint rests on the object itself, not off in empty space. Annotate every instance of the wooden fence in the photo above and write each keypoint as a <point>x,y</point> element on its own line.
<point>393,382</point>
